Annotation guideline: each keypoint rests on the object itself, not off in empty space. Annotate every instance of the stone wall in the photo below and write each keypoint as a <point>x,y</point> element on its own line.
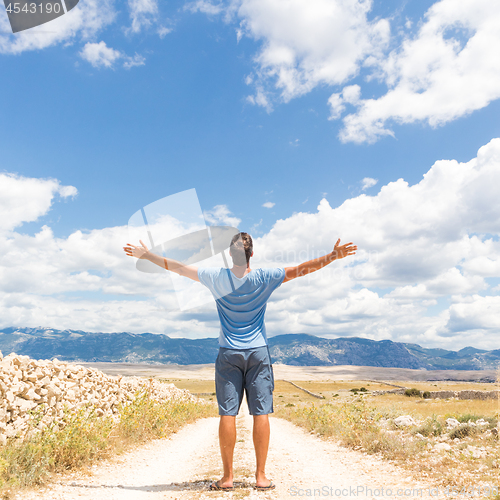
<point>54,388</point>
<point>467,394</point>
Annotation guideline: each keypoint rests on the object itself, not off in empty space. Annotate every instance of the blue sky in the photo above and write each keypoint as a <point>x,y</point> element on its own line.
<point>251,103</point>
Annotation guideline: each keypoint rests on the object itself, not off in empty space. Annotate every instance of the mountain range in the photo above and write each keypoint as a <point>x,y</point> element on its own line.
<point>290,349</point>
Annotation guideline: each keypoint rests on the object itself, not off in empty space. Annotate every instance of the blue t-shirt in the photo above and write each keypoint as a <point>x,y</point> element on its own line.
<point>241,303</point>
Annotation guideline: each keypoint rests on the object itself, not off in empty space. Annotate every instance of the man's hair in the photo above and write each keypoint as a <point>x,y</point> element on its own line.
<point>241,249</point>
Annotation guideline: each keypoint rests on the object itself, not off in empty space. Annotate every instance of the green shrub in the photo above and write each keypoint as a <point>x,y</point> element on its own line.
<point>413,392</point>
<point>431,427</point>
<point>462,431</point>
<point>426,395</point>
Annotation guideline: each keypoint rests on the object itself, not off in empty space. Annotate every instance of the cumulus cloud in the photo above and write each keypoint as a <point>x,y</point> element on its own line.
<point>367,183</point>
<point>421,273</point>
<point>221,214</point>
<point>268,204</point>
<point>475,313</point>
<point>24,199</point>
<point>447,70</point>
<point>305,43</point>
<point>434,239</point>
<point>444,70</point>
<point>310,43</point>
<point>73,282</point>
<point>100,55</point>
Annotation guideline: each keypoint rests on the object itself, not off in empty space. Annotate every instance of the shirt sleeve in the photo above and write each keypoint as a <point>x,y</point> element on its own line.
<point>275,277</point>
<point>206,276</point>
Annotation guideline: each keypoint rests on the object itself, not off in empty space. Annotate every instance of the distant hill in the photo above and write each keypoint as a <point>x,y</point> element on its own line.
<point>290,349</point>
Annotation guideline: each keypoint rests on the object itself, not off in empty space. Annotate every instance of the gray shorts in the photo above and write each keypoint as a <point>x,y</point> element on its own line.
<point>250,370</point>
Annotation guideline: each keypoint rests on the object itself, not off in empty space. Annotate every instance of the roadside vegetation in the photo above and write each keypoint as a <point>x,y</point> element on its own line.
<point>86,437</point>
<point>464,455</point>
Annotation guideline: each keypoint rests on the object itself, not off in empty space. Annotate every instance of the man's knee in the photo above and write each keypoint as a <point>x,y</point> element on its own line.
<point>261,420</point>
<point>261,417</point>
<point>227,420</point>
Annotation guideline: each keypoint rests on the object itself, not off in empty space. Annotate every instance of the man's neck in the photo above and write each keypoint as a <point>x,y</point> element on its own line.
<point>240,271</point>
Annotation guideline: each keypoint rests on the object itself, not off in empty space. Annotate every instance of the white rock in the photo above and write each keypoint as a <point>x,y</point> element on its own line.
<point>452,422</point>
<point>404,421</point>
<point>26,383</point>
<point>475,452</point>
<point>442,447</point>
<point>31,395</point>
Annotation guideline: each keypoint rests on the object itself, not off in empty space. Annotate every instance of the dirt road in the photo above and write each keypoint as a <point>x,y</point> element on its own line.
<point>183,466</point>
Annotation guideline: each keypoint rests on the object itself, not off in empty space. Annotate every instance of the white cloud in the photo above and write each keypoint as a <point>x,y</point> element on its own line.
<point>434,77</point>
<point>137,60</point>
<point>305,43</point>
<point>163,31</point>
<point>309,43</point>
<point>420,243</point>
<point>367,183</point>
<point>85,20</point>
<point>268,204</point>
<point>350,95</point>
<point>24,199</point>
<point>221,214</point>
<point>142,13</point>
<point>98,54</point>
<point>447,69</point>
<point>422,248</point>
<point>475,313</point>
<point>205,7</point>
<point>67,282</point>
<point>261,98</point>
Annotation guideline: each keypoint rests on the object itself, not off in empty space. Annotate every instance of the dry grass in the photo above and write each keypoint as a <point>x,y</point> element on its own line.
<point>194,386</point>
<point>365,423</point>
<point>86,437</point>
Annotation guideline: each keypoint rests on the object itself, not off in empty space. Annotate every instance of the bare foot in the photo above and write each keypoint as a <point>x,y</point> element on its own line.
<point>224,483</point>
<point>262,481</point>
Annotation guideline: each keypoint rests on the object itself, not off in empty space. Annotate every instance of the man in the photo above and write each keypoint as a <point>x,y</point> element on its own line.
<point>243,362</point>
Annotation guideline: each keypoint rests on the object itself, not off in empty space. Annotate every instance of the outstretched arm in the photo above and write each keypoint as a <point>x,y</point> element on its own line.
<point>339,252</point>
<point>142,252</point>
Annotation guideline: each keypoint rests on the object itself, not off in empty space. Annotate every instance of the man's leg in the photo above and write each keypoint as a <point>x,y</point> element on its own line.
<point>261,432</point>
<point>229,390</point>
<point>227,441</point>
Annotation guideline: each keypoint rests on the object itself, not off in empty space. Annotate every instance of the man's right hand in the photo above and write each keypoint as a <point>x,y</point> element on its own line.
<point>339,252</point>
